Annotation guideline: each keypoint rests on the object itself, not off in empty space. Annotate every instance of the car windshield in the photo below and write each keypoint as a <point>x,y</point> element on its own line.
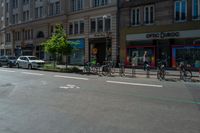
<point>32,58</point>
<point>12,58</point>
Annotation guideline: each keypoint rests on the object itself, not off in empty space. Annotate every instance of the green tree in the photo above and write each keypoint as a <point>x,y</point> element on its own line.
<point>59,43</point>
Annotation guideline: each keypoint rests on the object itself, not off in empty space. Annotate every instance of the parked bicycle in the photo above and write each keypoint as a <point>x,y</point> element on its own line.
<point>185,70</point>
<point>90,67</point>
<point>109,68</point>
<point>121,69</point>
<point>161,70</point>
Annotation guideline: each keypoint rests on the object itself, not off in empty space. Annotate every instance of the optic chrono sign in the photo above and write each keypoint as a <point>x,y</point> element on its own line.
<point>162,35</point>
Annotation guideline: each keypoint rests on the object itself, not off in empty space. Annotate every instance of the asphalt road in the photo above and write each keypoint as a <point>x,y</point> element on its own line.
<point>34,101</point>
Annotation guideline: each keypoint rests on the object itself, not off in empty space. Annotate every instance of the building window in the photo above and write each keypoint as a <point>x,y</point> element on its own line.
<point>97,3</point>
<point>57,7</point>
<point>76,27</point>
<point>17,36</point>
<point>25,2</point>
<point>76,5</point>
<point>15,4</point>
<point>54,8</point>
<point>100,24</point>
<point>28,34</point>
<point>15,19</point>
<point>135,16</point>
<point>81,27</point>
<point>8,37</point>
<point>71,28</point>
<point>38,12</point>
<point>149,14</point>
<point>180,10</point>
<point>51,9</point>
<point>26,15</point>
<point>6,7</point>
<point>93,25</point>
<point>196,9</point>
<point>107,24</point>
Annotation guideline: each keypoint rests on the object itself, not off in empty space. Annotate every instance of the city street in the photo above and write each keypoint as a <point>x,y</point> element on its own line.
<point>33,101</point>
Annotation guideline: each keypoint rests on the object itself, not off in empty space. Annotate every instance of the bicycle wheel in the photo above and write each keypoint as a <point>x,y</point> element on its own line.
<point>158,74</point>
<point>105,70</point>
<point>94,69</point>
<point>162,74</point>
<point>187,75</point>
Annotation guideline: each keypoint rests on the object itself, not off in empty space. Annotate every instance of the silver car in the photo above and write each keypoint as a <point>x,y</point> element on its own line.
<point>29,62</point>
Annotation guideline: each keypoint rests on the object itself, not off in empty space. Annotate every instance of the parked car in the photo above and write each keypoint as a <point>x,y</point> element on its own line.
<point>29,62</point>
<point>7,61</point>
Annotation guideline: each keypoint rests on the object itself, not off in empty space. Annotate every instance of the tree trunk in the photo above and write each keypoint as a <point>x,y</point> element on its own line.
<point>66,61</point>
<point>54,62</point>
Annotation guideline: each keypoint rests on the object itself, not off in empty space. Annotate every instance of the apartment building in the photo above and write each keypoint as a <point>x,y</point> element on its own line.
<point>28,23</point>
<point>93,23</point>
<point>2,24</point>
<point>160,27</point>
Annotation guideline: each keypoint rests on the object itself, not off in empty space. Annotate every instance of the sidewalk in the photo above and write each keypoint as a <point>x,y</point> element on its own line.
<point>142,73</point>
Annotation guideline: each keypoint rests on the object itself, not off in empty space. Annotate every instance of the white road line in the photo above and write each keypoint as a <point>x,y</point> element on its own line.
<point>136,84</point>
<point>38,74</point>
<point>3,70</point>
<point>68,77</point>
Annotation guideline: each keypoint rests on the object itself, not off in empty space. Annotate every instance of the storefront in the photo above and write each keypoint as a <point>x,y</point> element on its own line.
<point>39,51</point>
<point>27,49</point>
<point>77,57</point>
<point>100,49</point>
<point>172,44</point>
<point>190,54</point>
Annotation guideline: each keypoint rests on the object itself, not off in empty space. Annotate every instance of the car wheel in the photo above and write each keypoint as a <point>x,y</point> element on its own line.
<point>0,65</point>
<point>29,66</point>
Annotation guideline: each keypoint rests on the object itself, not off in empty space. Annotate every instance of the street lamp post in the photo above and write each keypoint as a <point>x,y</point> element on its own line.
<point>107,36</point>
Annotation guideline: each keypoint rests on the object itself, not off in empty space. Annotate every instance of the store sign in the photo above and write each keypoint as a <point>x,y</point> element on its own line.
<point>102,34</point>
<point>162,35</point>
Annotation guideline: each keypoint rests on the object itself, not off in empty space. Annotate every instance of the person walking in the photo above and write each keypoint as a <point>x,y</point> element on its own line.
<point>145,60</point>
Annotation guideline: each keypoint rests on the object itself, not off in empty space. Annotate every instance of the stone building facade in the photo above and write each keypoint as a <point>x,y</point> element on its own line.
<point>27,23</point>
<point>169,28</point>
<point>93,23</point>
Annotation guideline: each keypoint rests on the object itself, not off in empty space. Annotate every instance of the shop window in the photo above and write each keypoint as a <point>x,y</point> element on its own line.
<point>180,10</point>
<point>137,53</point>
<point>190,54</point>
<point>196,9</point>
<point>149,14</point>
<point>135,16</point>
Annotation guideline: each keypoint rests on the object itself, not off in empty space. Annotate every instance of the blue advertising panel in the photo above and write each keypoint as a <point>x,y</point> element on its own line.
<point>79,43</point>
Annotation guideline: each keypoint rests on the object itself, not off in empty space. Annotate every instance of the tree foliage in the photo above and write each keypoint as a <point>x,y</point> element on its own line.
<point>59,43</point>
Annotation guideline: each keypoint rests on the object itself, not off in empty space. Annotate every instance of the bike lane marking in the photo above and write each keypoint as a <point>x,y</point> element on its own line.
<point>69,77</point>
<point>135,84</point>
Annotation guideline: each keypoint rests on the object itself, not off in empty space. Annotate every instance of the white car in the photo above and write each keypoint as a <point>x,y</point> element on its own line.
<point>29,62</point>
